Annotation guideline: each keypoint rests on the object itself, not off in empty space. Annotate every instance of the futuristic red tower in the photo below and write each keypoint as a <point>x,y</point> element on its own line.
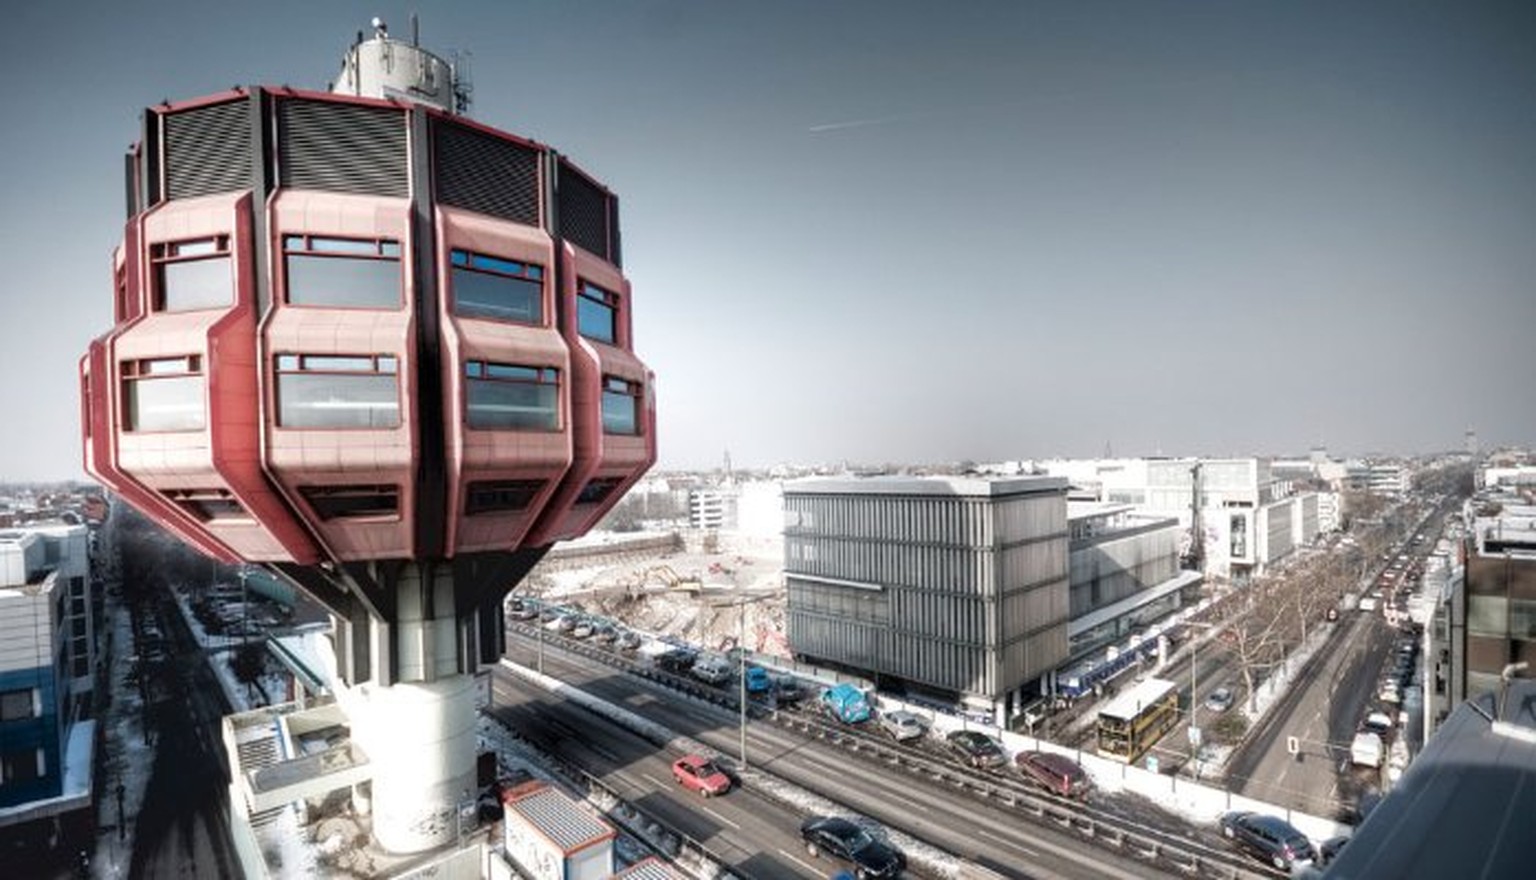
<point>384,351</point>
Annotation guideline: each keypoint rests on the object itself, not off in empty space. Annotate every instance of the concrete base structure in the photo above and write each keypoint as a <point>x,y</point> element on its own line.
<point>420,741</point>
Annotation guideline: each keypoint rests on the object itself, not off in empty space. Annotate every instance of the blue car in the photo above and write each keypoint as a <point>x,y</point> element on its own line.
<point>758,681</point>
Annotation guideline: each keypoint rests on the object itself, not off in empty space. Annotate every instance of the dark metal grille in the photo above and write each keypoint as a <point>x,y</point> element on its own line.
<point>208,150</point>
<point>584,213</point>
<point>342,148</point>
<point>481,172</point>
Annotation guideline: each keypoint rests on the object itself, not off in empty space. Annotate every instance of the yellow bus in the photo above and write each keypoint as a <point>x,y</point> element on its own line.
<point>1137,718</point>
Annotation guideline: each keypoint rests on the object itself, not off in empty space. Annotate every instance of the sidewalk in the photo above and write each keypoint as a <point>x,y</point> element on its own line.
<point>127,759</point>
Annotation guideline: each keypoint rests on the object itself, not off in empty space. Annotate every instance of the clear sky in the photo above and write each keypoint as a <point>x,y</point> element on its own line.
<point>903,231</point>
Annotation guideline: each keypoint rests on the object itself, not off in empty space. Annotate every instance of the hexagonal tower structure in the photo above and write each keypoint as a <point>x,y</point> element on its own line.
<point>384,351</point>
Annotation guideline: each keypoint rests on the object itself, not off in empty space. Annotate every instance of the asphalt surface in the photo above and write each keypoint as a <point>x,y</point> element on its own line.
<point>182,829</point>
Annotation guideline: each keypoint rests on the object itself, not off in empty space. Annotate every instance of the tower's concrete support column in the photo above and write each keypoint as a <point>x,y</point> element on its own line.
<point>420,740</point>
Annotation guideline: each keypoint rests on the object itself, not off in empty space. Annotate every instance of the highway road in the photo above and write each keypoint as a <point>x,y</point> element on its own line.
<point>956,821</point>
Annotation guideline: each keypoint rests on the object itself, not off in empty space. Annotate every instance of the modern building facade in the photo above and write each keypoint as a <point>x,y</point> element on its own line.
<point>711,509</point>
<point>1248,519</point>
<point>1124,574</point>
<point>952,586</point>
<point>47,667</point>
<point>1498,598</point>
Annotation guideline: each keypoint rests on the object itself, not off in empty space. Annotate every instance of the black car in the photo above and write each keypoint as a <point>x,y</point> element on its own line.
<point>1269,838</point>
<point>676,661</point>
<point>976,748</point>
<point>842,839</point>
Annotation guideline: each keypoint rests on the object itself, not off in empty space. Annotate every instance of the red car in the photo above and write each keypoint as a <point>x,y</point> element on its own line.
<point>700,774</point>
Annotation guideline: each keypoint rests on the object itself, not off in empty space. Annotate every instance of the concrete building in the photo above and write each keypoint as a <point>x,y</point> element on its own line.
<point>47,664</point>
<point>1123,572</point>
<point>1497,604</point>
<point>1248,519</point>
<point>711,509</point>
<point>951,586</point>
<point>1390,478</point>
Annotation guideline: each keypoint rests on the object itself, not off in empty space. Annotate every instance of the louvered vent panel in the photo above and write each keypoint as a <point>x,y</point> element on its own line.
<point>481,172</point>
<point>583,212</point>
<point>342,148</point>
<point>208,150</point>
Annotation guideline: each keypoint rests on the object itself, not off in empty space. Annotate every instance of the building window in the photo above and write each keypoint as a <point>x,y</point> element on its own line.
<point>24,765</point>
<point>342,272</point>
<point>207,504</point>
<point>338,391</point>
<point>352,502</point>
<point>501,496</point>
<point>621,406</point>
<point>503,290</point>
<point>17,705</point>
<point>509,396</point>
<point>193,275</point>
<point>163,394</point>
<point>598,489</point>
<point>597,312</point>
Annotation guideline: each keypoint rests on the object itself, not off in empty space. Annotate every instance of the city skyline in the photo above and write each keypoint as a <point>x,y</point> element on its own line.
<point>1183,231</point>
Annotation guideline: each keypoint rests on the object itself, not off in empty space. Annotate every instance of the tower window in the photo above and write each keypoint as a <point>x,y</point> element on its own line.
<point>510,396</point>
<point>597,312</point>
<point>621,406</point>
<point>193,275</point>
<point>163,394</point>
<point>342,272</point>
<point>337,391</point>
<point>495,288</point>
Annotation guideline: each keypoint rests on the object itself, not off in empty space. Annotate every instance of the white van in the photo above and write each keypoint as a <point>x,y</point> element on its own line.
<point>1366,750</point>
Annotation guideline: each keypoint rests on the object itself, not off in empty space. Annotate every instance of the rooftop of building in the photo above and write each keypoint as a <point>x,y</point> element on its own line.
<point>1464,807</point>
<point>974,487</point>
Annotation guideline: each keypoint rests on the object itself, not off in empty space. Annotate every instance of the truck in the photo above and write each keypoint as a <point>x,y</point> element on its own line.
<point>846,703</point>
<point>1366,750</point>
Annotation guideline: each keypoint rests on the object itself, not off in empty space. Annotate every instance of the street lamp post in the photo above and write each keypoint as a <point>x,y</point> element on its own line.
<point>741,675</point>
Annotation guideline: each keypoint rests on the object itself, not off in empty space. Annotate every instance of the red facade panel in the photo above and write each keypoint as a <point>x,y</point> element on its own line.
<point>606,463</point>
<point>500,475</point>
<point>348,467</point>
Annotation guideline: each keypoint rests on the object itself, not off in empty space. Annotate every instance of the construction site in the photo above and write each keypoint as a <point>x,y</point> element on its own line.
<point>708,588</point>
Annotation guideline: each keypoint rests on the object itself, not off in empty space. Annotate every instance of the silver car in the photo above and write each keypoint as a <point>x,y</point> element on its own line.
<point>903,726</point>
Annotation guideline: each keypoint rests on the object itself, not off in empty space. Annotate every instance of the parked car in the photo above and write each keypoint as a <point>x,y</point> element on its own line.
<point>976,748</point>
<point>628,640</point>
<point>790,690</point>
<point>606,633</point>
<point>1366,750</point>
<point>583,628</point>
<point>1329,850</point>
<point>844,840</point>
<point>903,725</point>
<point>676,661</point>
<point>1057,774</point>
<point>712,669</point>
<point>846,703</point>
<point>1378,723</point>
<point>1219,700</point>
<point>1269,838</point>
<point>758,681</point>
<point>521,610</point>
<point>698,773</point>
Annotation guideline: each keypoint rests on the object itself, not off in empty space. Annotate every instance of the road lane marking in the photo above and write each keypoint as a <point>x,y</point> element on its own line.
<point>814,872</point>
<point>653,780</point>
<point>1003,841</point>
<point>721,818</point>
